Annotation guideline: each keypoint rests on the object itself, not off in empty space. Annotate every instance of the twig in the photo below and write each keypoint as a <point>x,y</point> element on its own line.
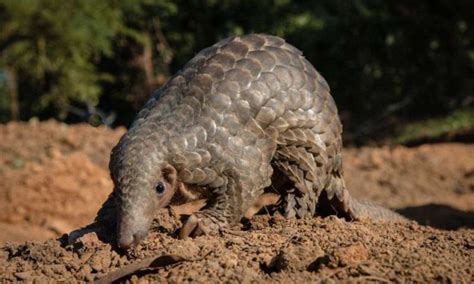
<point>150,262</point>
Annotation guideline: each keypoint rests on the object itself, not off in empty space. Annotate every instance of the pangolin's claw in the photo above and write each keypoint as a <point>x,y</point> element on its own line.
<point>199,224</point>
<point>188,227</point>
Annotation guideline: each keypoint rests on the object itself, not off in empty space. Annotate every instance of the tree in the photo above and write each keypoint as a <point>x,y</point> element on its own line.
<point>48,49</point>
<point>386,61</point>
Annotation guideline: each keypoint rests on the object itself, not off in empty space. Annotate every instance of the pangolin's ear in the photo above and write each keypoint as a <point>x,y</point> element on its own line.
<point>169,174</point>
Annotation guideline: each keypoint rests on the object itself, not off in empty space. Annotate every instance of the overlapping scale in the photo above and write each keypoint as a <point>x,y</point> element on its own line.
<point>240,106</point>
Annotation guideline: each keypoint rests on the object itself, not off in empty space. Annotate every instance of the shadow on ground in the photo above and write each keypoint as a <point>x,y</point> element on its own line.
<point>439,216</point>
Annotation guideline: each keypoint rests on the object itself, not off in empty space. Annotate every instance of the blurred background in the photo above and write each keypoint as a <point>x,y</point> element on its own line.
<point>400,71</point>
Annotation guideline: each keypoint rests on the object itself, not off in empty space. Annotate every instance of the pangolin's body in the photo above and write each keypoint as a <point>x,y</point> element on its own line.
<point>238,112</point>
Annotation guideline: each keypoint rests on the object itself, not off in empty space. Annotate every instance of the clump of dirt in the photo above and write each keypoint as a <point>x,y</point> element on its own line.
<point>55,178</point>
<point>274,249</point>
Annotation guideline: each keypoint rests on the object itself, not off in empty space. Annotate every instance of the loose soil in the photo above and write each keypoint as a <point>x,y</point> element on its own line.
<point>54,178</point>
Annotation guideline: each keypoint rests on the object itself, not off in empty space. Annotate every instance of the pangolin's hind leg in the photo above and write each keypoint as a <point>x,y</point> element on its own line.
<point>305,172</point>
<point>336,200</point>
<point>329,194</point>
<point>313,163</point>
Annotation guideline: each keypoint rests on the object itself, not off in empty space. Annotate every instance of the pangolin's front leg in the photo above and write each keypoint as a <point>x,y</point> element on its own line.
<point>216,216</point>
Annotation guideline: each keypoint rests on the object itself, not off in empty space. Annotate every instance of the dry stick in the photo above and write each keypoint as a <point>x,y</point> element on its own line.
<point>135,266</point>
<point>150,262</point>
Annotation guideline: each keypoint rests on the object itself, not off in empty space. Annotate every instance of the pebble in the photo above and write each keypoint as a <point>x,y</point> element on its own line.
<point>25,275</point>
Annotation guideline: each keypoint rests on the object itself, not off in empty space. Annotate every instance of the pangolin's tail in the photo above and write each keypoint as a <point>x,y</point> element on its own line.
<point>361,209</point>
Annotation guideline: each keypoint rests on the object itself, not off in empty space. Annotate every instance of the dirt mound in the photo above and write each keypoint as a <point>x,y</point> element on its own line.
<point>55,177</point>
<point>77,183</point>
<point>432,184</point>
<point>274,249</point>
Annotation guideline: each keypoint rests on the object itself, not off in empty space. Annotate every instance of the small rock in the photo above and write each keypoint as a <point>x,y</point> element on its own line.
<point>213,265</point>
<point>25,275</point>
<point>40,280</point>
<point>134,279</point>
<point>86,256</point>
<point>143,281</point>
<point>229,261</point>
<point>106,262</point>
<point>89,238</point>
<point>96,263</point>
<point>89,278</point>
<point>85,273</point>
<point>352,255</point>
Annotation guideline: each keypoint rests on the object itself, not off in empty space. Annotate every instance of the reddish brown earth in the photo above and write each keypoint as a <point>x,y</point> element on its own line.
<point>54,178</point>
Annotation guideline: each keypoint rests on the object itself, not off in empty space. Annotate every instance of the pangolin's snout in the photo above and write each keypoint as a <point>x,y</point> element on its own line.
<point>128,240</point>
<point>130,232</point>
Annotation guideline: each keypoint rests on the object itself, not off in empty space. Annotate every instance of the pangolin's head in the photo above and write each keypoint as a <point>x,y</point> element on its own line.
<point>143,183</point>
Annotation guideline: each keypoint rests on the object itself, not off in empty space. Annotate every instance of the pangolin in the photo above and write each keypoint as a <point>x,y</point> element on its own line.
<point>245,116</point>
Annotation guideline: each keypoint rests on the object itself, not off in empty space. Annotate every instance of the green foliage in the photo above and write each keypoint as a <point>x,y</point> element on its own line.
<point>52,46</point>
<point>4,115</point>
<point>386,61</point>
<point>382,59</point>
<point>462,119</point>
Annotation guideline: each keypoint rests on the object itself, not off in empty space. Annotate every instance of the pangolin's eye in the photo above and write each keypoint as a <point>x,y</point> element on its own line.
<point>160,188</point>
